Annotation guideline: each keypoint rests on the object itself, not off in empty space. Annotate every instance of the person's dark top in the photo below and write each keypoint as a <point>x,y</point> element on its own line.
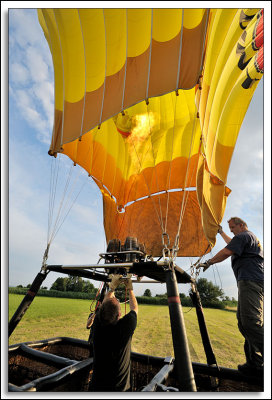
<point>247,260</point>
<point>112,351</point>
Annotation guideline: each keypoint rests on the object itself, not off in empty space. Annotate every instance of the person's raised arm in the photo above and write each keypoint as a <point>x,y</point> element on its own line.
<point>133,304</point>
<point>219,257</point>
<point>115,281</point>
<point>224,235</point>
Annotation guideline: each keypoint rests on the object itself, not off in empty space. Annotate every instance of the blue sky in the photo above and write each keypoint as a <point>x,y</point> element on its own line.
<point>81,237</point>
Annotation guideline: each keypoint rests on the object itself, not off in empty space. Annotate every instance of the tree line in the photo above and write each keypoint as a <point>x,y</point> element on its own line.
<point>74,286</point>
<point>70,284</point>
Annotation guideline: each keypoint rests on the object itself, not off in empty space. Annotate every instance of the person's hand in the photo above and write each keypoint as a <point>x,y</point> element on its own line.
<point>204,265</point>
<point>128,283</point>
<point>220,229</point>
<point>115,281</point>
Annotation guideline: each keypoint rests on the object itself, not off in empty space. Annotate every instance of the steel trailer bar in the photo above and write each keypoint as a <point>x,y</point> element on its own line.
<point>84,273</point>
<point>155,270</point>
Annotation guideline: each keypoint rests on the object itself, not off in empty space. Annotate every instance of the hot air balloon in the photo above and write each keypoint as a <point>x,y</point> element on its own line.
<point>149,102</point>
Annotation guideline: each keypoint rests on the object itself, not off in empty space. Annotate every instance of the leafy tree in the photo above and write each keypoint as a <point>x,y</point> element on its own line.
<point>88,287</point>
<point>60,284</point>
<point>73,284</point>
<point>147,293</point>
<point>20,286</point>
<point>208,291</point>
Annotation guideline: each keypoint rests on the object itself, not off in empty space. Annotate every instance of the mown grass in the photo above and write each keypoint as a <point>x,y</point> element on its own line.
<point>49,317</point>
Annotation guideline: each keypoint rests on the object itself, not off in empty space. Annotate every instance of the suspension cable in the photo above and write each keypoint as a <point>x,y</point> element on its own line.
<point>52,192</point>
<point>185,195</point>
<point>170,169</point>
<point>65,216</point>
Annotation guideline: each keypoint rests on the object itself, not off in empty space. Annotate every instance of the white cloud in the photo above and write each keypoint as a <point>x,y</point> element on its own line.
<point>19,74</point>
<point>37,67</point>
<point>31,73</point>
<point>44,93</point>
<point>35,117</point>
<point>25,27</point>
<point>22,238</point>
<point>85,213</point>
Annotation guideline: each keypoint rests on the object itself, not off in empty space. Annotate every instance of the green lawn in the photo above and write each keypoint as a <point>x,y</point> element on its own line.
<point>49,317</point>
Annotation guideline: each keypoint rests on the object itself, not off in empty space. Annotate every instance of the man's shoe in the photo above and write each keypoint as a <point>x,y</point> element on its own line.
<point>250,370</point>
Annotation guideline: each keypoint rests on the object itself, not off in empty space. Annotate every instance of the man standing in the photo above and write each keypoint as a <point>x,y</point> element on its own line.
<point>112,341</point>
<point>247,264</point>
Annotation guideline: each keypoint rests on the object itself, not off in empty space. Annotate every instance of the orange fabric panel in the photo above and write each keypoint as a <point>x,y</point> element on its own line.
<point>114,87</point>
<point>141,219</point>
<point>192,53</point>
<point>136,78</point>
<point>164,63</point>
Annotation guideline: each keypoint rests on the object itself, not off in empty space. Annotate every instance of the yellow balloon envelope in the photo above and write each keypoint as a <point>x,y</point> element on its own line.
<point>150,102</point>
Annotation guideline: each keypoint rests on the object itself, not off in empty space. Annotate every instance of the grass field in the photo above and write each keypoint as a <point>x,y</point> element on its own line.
<point>49,317</point>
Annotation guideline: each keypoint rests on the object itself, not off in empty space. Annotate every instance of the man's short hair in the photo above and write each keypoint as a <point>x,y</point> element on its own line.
<point>237,221</point>
<point>109,312</point>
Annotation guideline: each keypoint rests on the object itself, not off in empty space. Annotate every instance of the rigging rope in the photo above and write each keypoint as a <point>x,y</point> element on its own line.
<point>185,193</point>
<point>170,169</point>
<point>64,207</point>
<point>52,192</point>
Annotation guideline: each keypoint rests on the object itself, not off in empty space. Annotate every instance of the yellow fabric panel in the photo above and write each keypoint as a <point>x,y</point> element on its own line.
<point>239,23</point>
<point>183,125</point>
<point>230,40</point>
<point>116,39</point>
<point>55,49</point>
<point>94,45</point>
<point>231,120</point>
<point>139,31</point>
<point>226,84</point>
<point>72,51</point>
<point>192,17</point>
<point>220,18</point>
<point>154,132</point>
<point>111,140</point>
<point>166,23</point>
<point>43,24</point>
